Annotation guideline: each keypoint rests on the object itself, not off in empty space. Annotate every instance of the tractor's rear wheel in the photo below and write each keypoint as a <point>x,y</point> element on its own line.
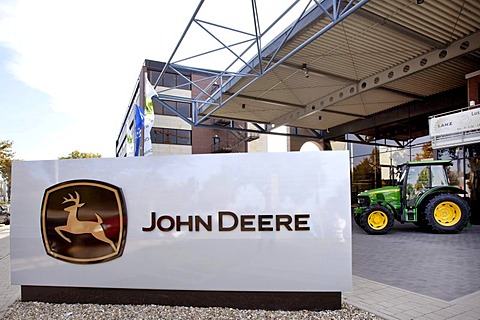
<point>422,222</point>
<point>447,213</point>
<point>377,219</point>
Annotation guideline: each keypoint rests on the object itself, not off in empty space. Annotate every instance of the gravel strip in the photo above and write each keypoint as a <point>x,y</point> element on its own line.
<point>40,310</point>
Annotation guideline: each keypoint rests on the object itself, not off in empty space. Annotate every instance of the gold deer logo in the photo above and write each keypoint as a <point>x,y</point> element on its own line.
<point>76,226</point>
<point>83,220</point>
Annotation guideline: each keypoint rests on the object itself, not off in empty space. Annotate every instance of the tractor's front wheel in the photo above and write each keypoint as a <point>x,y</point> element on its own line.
<point>377,219</point>
<point>447,213</point>
<point>356,218</point>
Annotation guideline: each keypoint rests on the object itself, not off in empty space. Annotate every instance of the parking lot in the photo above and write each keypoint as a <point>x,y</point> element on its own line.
<point>443,266</point>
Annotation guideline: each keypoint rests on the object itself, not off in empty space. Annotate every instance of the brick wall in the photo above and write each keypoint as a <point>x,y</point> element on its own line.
<point>473,90</point>
<point>202,138</point>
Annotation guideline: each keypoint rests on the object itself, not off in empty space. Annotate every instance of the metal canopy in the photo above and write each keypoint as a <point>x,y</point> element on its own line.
<point>337,62</point>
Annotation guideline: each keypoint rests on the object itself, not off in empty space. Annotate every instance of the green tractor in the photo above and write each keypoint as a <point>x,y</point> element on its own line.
<point>422,196</point>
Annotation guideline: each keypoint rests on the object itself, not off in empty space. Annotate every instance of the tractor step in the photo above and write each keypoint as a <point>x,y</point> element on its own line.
<point>409,215</point>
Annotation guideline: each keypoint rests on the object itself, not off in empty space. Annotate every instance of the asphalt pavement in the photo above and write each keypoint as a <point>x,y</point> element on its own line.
<point>411,274</point>
<point>8,293</point>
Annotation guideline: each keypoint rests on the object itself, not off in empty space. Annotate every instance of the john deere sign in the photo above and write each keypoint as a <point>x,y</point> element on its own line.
<point>276,222</point>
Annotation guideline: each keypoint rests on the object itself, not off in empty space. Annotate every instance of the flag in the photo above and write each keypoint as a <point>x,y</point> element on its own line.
<point>149,117</point>
<point>130,145</point>
<point>139,123</point>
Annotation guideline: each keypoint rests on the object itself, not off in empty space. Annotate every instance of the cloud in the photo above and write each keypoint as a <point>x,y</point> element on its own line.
<point>87,55</point>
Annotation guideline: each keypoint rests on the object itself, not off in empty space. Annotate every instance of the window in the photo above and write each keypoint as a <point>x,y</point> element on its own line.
<point>171,136</point>
<point>184,109</point>
<point>438,176</point>
<point>184,137</point>
<point>171,80</point>
<point>417,181</point>
<point>181,107</point>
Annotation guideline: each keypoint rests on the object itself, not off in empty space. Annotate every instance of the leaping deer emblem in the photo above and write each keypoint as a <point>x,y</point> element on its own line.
<point>76,226</point>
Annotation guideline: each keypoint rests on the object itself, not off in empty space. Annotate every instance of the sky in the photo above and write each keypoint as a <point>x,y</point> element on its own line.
<point>68,67</point>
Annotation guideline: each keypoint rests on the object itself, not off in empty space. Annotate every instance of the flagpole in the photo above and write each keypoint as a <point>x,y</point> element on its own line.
<point>141,102</point>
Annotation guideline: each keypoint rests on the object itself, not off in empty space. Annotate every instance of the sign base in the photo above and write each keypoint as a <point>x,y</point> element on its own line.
<point>289,301</point>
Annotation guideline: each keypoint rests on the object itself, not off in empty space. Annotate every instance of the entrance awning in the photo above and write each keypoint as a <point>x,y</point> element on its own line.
<point>380,55</point>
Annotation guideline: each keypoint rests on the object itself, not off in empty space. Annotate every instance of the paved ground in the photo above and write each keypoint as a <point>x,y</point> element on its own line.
<point>8,293</point>
<point>443,266</point>
<point>408,274</point>
<point>405,274</point>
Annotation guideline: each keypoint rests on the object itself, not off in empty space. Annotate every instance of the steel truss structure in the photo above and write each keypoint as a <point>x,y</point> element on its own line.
<point>250,63</point>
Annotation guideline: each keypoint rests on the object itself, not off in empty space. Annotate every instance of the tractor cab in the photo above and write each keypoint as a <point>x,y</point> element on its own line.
<point>416,179</point>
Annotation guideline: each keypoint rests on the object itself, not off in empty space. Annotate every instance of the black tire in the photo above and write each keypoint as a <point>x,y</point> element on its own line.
<point>377,219</point>
<point>447,213</point>
<point>7,222</point>
<point>422,222</point>
<point>356,218</point>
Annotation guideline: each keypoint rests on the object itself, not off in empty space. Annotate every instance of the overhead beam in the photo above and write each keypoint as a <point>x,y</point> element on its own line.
<point>311,71</point>
<point>267,101</point>
<point>331,76</point>
<point>397,144</point>
<point>354,115</point>
<point>291,32</point>
<point>337,11</point>
<point>315,134</point>
<point>431,105</point>
<point>294,67</point>
<point>455,49</point>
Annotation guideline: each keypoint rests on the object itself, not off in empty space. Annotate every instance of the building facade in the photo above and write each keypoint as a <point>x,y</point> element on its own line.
<point>173,135</point>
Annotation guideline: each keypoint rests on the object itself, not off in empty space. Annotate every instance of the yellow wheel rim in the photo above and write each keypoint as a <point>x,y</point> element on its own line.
<point>447,213</point>
<point>377,220</point>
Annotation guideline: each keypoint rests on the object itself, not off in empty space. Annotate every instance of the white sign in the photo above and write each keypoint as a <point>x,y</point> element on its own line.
<point>234,222</point>
<point>468,120</point>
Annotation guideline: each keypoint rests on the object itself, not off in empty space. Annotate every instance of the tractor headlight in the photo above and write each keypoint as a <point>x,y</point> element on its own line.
<point>363,201</point>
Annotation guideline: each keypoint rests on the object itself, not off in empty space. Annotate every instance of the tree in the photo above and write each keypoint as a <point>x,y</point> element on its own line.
<point>6,158</point>
<point>81,155</point>
<point>427,152</point>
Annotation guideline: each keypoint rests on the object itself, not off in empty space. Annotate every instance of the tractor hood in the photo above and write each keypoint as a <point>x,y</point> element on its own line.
<point>389,194</point>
